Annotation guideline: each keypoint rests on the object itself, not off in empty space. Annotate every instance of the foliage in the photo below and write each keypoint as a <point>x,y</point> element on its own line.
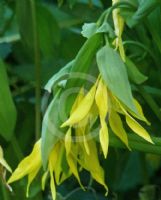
<point>42,44</point>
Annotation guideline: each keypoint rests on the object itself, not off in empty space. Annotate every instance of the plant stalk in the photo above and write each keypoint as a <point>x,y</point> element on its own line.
<point>37,72</point>
<point>138,144</point>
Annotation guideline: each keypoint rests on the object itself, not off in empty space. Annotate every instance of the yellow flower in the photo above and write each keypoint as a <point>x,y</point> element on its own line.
<point>108,105</point>
<point>70,155</point>
<point>28,166</point>
<point>119,26</point>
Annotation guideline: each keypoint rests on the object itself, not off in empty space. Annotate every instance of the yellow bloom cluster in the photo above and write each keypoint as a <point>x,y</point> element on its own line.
<point>77,148</point>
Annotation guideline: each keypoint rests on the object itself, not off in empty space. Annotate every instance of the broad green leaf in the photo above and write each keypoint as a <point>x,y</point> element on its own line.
<point>51,132</point>
<point>63,73</point>
<point>113,72</point>
<point>7,107</point>
<point>154,28</point>
<point>134,74</point>
<point>82,65</point>
<point>84,58</point>
<point>48,29</point>
<point>145,7</point>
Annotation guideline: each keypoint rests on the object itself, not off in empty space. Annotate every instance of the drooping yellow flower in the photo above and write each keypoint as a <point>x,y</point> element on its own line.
<point>29,166</point>
<point>70,155</point>
<point>119,26</point>
<point>108,104</point>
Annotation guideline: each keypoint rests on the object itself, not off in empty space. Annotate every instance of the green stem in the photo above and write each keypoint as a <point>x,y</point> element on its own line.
<point>138,144</point>
<point>150,101</point>
<point>106,13</point>
<point>4,192</point>
<point>37,72</point>
<point>143,47</point>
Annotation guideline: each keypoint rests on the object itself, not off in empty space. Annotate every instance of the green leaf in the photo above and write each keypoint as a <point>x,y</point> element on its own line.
<point>63,73</point>
<point>90,29</point>
<point>115,76</point>
<point>48,29</point>
<point>145,7</point>
<point>7,107</point>
<point>84,59</point>
<point>82,65</point>
<point>51,132</point>
<point>134,74</point>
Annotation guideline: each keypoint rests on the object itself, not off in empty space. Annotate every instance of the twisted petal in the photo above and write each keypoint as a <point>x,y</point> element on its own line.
<point>91,163</point>
<point>82,109</point>
<point>31,177</point>
<point>104,137</point>
<point>52,167</point>
<point>52,182</point>
<point>140,111</point>
<point>101,99</point>
<point>138,129</point>
<point>71,156</point>
<point>79,98</point>
<point>117,127</point>
<point>28,165</point>
<point>68,141</point>
<point>43,180</point>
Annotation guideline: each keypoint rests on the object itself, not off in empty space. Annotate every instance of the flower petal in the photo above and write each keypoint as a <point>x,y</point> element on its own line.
<point>43,180</point>
<point>52,182</point>
<point>140,111</point>
<point>82,109</point>
<point>138,129</point>
<point>68,141</point>
<point>79,98</point>
<point>102,99</point>
<point>31,177</point>
<point>117,127</point>
<point>91,163</point>
<point>28,164</point>
<point>104,137</point>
